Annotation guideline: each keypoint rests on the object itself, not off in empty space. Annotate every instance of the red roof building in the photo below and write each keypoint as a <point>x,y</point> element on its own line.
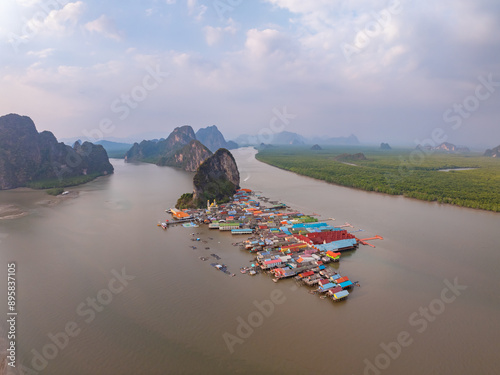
<point>327,237</point>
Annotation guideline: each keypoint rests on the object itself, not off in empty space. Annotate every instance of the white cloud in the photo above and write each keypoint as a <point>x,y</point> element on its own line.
<point>42,54</point>
<point>195,10</point>
<point>191,5</point>
<point>70,76</point>
<point>105,26</point>
<point>425,59</point>
<point>61,21</point>
<point>471,24</point>
<point>214,35</point>
<point>267,43</point>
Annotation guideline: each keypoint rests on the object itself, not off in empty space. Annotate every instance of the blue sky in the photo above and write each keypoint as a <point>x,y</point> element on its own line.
<point>395,71</point>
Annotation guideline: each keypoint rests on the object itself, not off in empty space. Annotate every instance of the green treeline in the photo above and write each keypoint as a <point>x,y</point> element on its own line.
<point>411,173</point>
<point>185,201</point>
<point>64,182</point>
<point>55,191</point>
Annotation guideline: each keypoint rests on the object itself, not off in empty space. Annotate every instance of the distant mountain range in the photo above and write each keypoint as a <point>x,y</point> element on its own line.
<point>290,138</point>
<point>177,150</point>
<point>182,148</point>
<point>213,139</point>
<point>445,147</point>
<point>338,141</point>
<point>113,146</point>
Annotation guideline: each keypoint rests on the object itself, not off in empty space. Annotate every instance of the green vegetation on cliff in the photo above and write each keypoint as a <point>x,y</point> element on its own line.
<point>412,173</point>
<point>217,178</point>
<point>63,182</point>
<point>220,190</point>
<point>185,201</point>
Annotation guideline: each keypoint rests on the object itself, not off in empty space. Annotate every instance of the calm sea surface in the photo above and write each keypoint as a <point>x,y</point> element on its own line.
<point>168,312</point>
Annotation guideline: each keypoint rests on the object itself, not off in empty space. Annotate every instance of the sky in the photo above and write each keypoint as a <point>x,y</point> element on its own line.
<point>403,72</point>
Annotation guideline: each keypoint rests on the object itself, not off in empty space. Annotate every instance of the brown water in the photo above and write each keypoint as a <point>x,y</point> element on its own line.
<point>172,317</point>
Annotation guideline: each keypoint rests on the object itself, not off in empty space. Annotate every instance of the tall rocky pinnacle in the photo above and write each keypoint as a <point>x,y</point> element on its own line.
<point>180,150</point>
<point>217,178</point>
<point>151,151</point>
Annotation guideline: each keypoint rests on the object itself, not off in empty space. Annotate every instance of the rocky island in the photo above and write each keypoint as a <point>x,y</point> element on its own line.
<point>152,151</point>
<point>38,160</point>
<point>445,147</point>
<point>493,153</point>
<point>181,149</point>
<point>217,178</point>
<point>385,146</point>
<point>187,158</point>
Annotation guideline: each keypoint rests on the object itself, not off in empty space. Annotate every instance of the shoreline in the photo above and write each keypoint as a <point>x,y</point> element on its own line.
<point>12,211</point>
<point>380,193</point>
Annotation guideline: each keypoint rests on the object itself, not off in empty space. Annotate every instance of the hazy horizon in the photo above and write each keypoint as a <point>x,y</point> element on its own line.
<point>395,72</point>
<point>266,140</point>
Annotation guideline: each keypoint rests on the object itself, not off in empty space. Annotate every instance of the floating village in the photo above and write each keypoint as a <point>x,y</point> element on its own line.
<point>285,243</point>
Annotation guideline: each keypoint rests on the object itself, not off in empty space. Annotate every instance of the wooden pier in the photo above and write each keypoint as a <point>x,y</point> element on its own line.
<point>178,221</point>
<point>363,241</point>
